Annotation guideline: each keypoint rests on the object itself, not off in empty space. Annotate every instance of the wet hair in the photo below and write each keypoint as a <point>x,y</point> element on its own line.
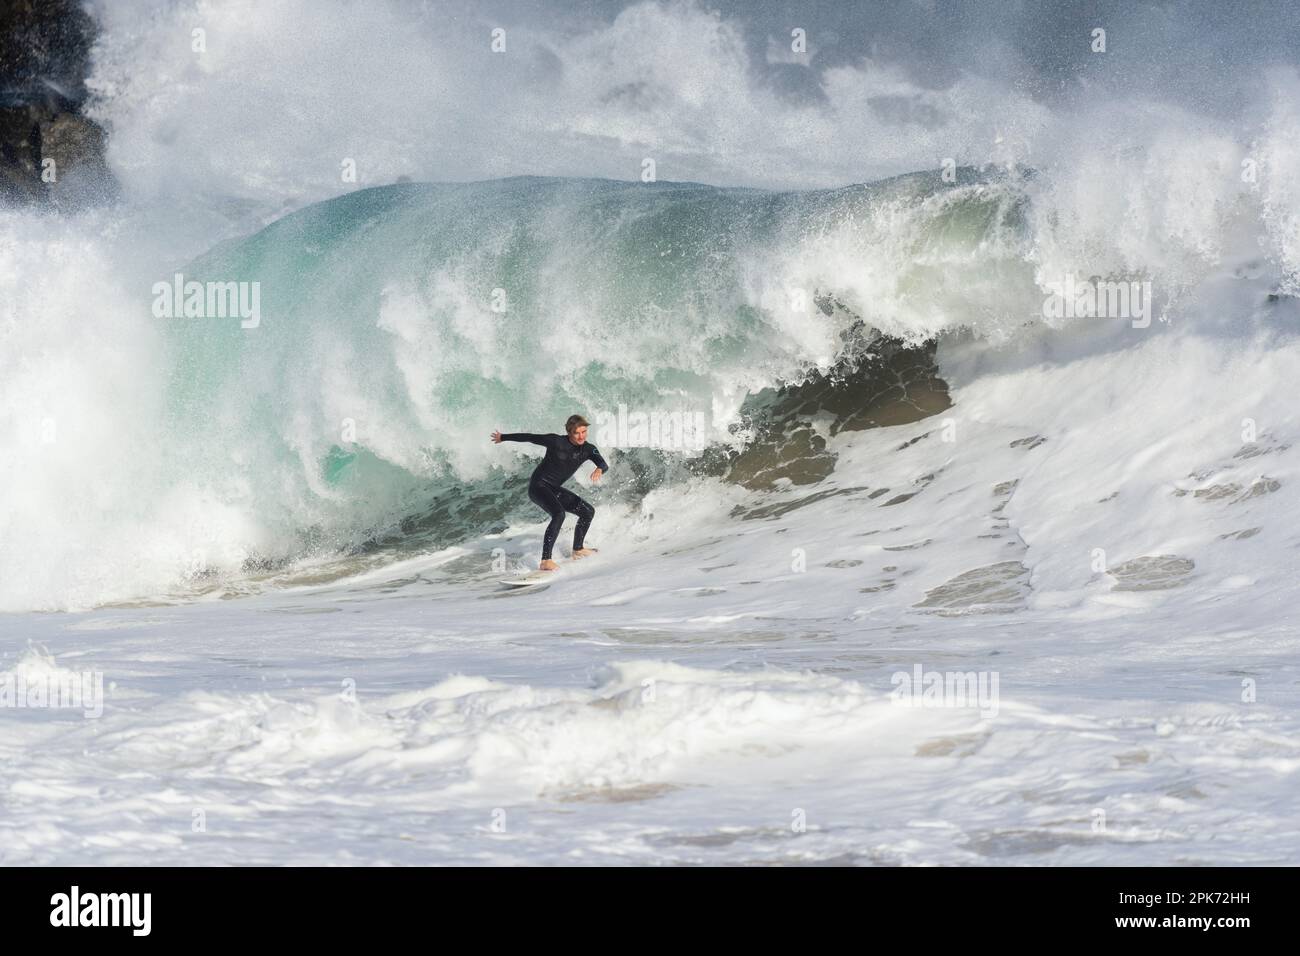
<point>575,421</point>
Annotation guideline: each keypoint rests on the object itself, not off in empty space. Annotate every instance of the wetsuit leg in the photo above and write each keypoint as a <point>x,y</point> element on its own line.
<point>585,512</point>
<point>547,498</point>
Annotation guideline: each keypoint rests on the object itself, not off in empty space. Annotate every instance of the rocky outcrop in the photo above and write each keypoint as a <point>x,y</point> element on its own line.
<point>49,151</point>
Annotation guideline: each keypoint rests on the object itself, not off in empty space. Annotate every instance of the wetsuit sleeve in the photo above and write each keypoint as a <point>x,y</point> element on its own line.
<point>600,462</point>
<point>525,436</point>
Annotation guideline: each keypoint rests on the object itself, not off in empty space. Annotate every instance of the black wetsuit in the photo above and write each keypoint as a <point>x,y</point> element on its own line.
<point>562,459</point>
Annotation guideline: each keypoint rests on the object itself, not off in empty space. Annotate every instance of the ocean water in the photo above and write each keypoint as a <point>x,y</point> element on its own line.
<point>280,549</point>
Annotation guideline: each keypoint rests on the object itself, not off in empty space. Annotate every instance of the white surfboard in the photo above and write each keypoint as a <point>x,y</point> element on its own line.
<point>534,578</point>
<point>531,580</point>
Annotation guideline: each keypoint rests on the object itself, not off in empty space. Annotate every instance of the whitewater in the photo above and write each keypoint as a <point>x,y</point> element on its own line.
<point>281,548</point>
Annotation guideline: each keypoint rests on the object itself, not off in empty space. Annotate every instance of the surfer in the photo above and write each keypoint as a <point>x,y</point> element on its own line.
<point>564,453</point>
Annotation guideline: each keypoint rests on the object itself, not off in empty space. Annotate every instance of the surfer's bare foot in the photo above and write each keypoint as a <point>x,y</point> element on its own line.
<point>548,565</point>
<point>583,552</point>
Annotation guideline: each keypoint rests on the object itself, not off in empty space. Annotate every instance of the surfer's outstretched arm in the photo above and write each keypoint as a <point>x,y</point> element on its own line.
<point>521,436</point>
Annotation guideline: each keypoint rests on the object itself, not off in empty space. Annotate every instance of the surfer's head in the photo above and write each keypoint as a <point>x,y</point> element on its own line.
<point>576,426</point>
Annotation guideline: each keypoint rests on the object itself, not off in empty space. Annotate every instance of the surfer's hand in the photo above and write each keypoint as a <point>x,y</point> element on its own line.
<point>496,436</point>
<point>595,475</point>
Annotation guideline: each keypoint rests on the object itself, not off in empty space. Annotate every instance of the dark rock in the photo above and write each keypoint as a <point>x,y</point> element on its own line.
<point>877,381</point>
<point>20,155</point>
<point>77,146</point>
<point>44,58</point>
<point>44,53</point>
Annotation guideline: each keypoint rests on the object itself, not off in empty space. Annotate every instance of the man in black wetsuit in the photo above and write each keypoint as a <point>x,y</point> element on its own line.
<point>564,453</point>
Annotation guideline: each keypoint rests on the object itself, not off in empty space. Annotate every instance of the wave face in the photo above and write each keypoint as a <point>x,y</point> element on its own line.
<point>400,325</point>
